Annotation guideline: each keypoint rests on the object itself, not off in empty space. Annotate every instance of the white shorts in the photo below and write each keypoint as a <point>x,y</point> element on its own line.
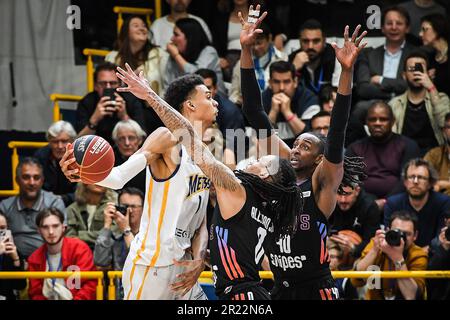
<point>144,283</point>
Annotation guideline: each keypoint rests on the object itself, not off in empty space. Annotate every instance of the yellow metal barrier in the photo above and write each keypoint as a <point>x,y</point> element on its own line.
<point>90,65</point>
<point>130,10</point>
<point>15,161</point>
<point>56,97</point>
<point>58,274</point>
<point>336,274</point>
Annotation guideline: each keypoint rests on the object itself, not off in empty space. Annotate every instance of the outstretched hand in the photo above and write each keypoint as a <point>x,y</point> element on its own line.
<point>250,27</point>
<point>137,85</point>
<point>349,52</point>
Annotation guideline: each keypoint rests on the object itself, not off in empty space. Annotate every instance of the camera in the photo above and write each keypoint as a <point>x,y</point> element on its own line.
<point>393,237</point>
<point>122,209</point>
<point>418,67</point>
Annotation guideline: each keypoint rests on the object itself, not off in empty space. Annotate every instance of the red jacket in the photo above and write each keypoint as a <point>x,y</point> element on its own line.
<point>74,253</point>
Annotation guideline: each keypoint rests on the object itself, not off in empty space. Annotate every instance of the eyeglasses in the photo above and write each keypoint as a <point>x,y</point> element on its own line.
<point>131,139</point>
<point>103,84</point>
<point>413,178</point>
<point>132,206</point>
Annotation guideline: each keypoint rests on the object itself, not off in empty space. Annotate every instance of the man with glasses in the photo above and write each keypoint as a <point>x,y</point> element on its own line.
<point>419,198</point>
<point>439,158</point>
<point>100,110</point>
<point>420,112</point>
<point>58,135</point>
<point>114,240</point>
<point>386,255</point>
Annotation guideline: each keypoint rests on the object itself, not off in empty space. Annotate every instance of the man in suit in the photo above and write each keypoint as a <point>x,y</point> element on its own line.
<point>379,70</point>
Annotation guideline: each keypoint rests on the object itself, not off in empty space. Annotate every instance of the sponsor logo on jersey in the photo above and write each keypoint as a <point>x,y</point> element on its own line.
<point>198,183</point>
<point>287,262</point>
<point>183,233</point>
<point>306,194</point>
<point>265,221</point>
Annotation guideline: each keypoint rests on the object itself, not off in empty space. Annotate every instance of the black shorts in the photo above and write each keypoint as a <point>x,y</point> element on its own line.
<point>246,291</point>
<point>320,289</point>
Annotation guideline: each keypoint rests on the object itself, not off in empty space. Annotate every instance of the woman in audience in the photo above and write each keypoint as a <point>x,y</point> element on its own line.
<point>189,51</point>
<point>435,34</point>
<point>134,47</point>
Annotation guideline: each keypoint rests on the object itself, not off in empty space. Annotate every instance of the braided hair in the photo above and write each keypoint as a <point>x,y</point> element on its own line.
<point>284,198</point>
<point>353,172</point>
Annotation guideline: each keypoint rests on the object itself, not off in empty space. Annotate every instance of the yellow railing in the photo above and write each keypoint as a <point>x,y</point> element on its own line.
<point>90,65</point>
<point>129,10</point>
<point>56,97</point>
<point>58,274</point>
<point>15,161</point>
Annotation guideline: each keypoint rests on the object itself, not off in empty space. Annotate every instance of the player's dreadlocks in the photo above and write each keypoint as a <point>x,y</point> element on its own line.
<point>283,197</point>
<point>353,172</point>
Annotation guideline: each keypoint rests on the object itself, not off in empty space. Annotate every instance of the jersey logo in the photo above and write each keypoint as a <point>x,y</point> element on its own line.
<point>306,194</point>
<point>198,183</point>
<point>228,255</point>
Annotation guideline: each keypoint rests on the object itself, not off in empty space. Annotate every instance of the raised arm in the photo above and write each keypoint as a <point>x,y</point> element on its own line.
<point>328,174</point>
<point>251,95</point>
<point>221,176</point>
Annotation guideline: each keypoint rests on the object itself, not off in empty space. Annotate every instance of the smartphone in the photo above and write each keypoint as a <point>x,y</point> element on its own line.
<point>418,67</point>
<point>109,92</point>
<point>6,234</point>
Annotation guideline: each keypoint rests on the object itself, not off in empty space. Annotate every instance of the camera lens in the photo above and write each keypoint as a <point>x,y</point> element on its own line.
<point>393,237</point>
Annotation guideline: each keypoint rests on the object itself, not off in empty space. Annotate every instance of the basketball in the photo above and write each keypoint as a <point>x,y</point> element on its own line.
<point>94,158</point>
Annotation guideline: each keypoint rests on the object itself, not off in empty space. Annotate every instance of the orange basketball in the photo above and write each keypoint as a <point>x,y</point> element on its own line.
<point>94,157</point>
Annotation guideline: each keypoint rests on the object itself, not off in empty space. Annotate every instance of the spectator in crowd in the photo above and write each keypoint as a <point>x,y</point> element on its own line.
<point>229,117</point>
<point>320,122</point>
<point>419,198</point>
<point>59,253</point>
<point>162,28</point>
<point>189,51</point>
<point>85,215</point>
<point>315,60</point>
<point>9,261</point>
<point>226,31</point>
<point>21,210</point>
<point>384,152</point>
<point>290,105</point>
<point>97,113</point>
<point>379,70</point>
<point>417,9</point>
<point>337,257</point>
<point>439,259</point>
<point>58,135</point>
<point>435,35</point>
<point>420,112</point>
<point>356,211</point>
<point>391,257</point>
<point>439,159</point>
<point>128,137</point>
<point>119,229</point>
<point>327,97</point>
<point>264,54</point>
<point>134,47</point>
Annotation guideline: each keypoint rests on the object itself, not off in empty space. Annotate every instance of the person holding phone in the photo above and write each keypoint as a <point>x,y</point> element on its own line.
<point>420,112</point>
<point>9,261</point>
<point>99,111</point>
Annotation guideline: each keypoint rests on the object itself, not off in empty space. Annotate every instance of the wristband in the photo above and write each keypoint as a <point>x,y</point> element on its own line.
<point>291,118</point>
<point>431,89</point>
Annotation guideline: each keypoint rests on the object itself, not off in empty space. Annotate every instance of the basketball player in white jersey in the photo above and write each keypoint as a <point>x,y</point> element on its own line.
<point>167,255</point>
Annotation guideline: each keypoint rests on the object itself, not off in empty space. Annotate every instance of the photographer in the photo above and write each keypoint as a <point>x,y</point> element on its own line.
<point>439,289</point>
<point>100,110</point>
<point>9,261</point>
<point>121,224</point>
<point>394,250</point>
<point>420,112</point>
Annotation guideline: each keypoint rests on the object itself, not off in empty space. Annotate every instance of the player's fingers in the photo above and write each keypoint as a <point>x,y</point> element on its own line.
<point>346,33</point>
<point>355,33</point>
<point>359,39</point>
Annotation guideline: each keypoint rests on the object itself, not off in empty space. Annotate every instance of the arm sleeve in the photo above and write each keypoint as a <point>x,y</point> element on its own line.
<point>252,105</point>
<point>120,175</point>
<point>334,150</point>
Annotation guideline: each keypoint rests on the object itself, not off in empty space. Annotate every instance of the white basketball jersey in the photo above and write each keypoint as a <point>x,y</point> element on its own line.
<point>174,209</point>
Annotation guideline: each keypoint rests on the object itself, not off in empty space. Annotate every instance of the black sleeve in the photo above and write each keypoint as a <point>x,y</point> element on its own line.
<point>252,105</point>
<point>334,151</point>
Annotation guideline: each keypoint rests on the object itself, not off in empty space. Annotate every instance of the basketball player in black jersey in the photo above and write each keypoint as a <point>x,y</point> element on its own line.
<point>299,261</point>
<point>251,204</point>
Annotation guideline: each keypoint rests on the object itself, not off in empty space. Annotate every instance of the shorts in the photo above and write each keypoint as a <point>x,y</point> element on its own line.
<point>142,282</point>
<point>245,291</point>
<point>321,289</point>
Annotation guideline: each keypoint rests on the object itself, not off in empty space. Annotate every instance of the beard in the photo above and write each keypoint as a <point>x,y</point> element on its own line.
<point>413,87</point>
<point>55,242</point>
<point>419,196</point>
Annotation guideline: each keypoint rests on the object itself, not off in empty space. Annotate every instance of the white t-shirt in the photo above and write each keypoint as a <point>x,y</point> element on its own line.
<point>162,30</point>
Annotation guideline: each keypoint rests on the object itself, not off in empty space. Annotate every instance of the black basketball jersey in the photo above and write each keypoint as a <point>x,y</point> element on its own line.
<point>304,256</point>
<point>236,244</point>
